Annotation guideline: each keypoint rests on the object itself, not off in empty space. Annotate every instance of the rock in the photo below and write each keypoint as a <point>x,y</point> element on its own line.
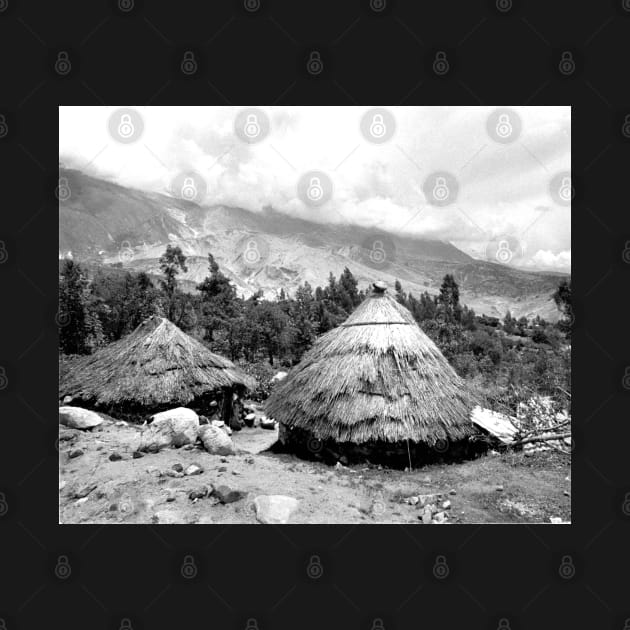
<point>114,457</point>
<point>557,520</point>
<point>121,423</point>
<point>216,441</point>
<point>249,419</point>
<point>137,455</point>
<point>267,423</point>
<point>446,505</point>
<point>77,452</point>
<point>193,469</point>
<point>177,467</point>
<point>62,485</point>
<point>452,492</point>
<point>224,460</point>
<point>78,418</point>
<point>499,488</point>
<point>274,509</point>
<point>200,492</point>
<point>167,517</point>
<point>68,435</point>
<point>175,427</point>
<point>177,474</point>
<point>567,493</point>
<point>413,500</point>
<point>426,518</point>
<point>439,517</point>
<point>279,377</point>
<point>84,491</point>
<point>222,469</point>
<point>81,501</point>
<point>249,460</point>
<point>225,494</point>
<point>67,400</point>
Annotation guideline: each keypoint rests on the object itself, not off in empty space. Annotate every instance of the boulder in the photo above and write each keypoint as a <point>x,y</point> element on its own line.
<point>216,441</point>
<point>78,418</point>
<point>193,469</point>
<point>267,423</point>
<point>225,494</point>
<point>176,427</point>
<point>249,419</point>
<point>274,509</point>
<point>279,377</point>
<point>219,424</point>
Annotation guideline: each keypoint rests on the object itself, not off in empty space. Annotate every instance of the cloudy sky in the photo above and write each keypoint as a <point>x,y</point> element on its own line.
<point>504,189</point>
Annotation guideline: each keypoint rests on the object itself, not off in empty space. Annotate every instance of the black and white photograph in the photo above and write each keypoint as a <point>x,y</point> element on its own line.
<point>315,315</point>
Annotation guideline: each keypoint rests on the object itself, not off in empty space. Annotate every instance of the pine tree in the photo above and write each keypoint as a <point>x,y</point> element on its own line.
<point>172,262</point>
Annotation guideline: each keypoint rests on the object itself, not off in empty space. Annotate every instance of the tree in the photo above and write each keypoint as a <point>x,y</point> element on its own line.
<point>80,329</point>
<point>219,304</point>
<point>303,316</point>
<point>172,262</point>
<point>563,299</point>
<point>448,300</point>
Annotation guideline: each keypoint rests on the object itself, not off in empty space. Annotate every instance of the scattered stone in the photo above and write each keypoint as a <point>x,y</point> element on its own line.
<point>77,452</point>
<point>267,423</point>
<point>413,500</point>
<point>78,418</point>
<point>446,505</point>
<point>193,469</point>
<point>225,494</point>
<point>167,517</point>
<point>170,496</point>
<point>249,419</point>
<point>62,485</point>
<point>452,492</point>
<point>557,520</point>
<point>222,469</point>
<point>439,517</point>
<point>121,423</point>
<point>224,460</point>
<point>199,493</point>
<point>68,435</point>
<point>67,400</point>
<point>137,455</point>
<point>175,427</point>
<point>114,457</point>
<point>84,491</point>
<point>426,517</point>
<point>177,467</point>
<point>81,501</point>
<point>567,493</point>
<point>499,488</point>
<point>216,441</point>
<point>274,509</point>
<point>249,460</point>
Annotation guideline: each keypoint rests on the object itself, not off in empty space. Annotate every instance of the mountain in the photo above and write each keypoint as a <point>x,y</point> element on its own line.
<point>103,223</point>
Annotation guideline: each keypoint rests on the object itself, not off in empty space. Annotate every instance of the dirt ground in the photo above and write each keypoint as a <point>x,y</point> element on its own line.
<point>495,488</point>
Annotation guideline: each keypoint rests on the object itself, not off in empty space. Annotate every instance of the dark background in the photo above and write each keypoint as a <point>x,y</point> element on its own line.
<point>130,578</point>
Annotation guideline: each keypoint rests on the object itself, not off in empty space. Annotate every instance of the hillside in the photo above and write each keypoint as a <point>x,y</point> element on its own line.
<point>103,223</point>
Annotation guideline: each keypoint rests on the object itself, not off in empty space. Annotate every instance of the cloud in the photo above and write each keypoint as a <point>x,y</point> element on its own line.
<point>544,259</point>
<point>503,188</point>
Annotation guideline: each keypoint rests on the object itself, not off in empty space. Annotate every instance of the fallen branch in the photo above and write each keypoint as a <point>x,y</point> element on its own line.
<point>542,438</point>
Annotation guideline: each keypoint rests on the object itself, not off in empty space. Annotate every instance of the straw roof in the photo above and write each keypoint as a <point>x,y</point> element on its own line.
<point>154,366</point>
<point>376,377</point>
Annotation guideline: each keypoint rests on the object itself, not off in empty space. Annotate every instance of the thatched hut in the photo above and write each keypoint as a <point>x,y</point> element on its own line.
<point>377,384</point>
<point>154,368</point>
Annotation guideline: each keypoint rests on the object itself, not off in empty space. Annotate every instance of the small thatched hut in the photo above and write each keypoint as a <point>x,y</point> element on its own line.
<point>376,385</point>
<point>154,368</point>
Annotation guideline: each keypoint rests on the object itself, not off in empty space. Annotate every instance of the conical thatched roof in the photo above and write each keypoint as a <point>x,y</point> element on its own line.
<point>154,366</point>
<point>376,377</point>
